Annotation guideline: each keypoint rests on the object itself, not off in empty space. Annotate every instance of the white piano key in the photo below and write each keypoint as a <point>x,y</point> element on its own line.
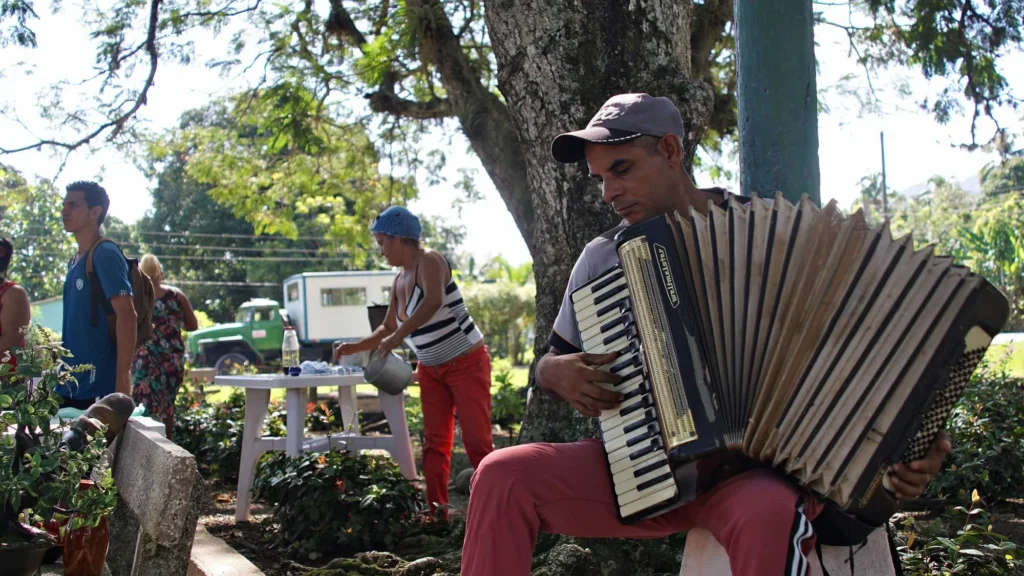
<point>586,319</point>
<point>663,494</point>
<point>627,464</point>
<point>609,433</point>
<point>623,320</point>
<point>630,483</point>
<point>613,416</point>
<point>597,345</point>
<point>639,463</point>
<point>616,443</point>
<point>586,296</point>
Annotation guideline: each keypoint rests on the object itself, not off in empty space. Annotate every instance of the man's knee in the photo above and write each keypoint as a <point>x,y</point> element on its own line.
<point>763,498</point>
<point>502,469</point>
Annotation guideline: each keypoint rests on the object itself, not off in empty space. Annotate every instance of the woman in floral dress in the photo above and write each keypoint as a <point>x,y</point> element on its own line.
<point>159,365</point>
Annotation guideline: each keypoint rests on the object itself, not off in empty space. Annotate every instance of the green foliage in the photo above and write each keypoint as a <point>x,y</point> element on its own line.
<point>504,310</point>
<point>508,403</point>
<point>30,218</point>
<point>276,163</point>
<point>980,232</point>
<point>987,433</point>
<point>39,478</point>
<point>211,432</point>
<point>385,53</point>
<point>960,42</point>
<point>1005,178</point>
<point>928,548</point>
<point>337,503</point>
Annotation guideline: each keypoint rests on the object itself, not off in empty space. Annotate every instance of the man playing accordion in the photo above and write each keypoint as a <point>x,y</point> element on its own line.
<point>768,525</point>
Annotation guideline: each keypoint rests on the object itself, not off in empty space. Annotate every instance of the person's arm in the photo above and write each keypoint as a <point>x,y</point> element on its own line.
<point>16,314</point>
<point>381,332</point>
<point>431,278</point>
<point>112,270</point>
<point>124,308</point>
<point>191,323</point>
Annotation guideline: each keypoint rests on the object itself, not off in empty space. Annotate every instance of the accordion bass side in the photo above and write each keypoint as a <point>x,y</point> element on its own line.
<point>795,336</point>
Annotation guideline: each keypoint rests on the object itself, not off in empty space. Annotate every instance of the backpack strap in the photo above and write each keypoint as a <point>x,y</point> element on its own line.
<point>95,289</point>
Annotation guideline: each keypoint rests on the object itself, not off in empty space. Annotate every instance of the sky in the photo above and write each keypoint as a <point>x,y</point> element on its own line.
<point>916,147</point>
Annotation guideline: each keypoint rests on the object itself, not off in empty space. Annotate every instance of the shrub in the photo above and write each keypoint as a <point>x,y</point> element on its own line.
<point>508,403</point>
<point>211,431</point>
<point>337,502</point>
<point>987,432</point>
<point>974,550</point>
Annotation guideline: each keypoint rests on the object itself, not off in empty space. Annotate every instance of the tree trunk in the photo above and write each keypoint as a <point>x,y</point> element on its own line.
<point>558,61</point>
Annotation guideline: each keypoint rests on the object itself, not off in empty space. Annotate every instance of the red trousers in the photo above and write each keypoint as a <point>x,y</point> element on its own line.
<point>462,384</point>
<point>762,521</point>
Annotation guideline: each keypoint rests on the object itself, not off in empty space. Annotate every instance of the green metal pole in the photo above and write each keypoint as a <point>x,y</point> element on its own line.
<point>777,99</point>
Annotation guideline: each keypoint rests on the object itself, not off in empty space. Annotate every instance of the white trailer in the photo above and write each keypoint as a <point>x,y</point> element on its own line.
<point>332,306</point>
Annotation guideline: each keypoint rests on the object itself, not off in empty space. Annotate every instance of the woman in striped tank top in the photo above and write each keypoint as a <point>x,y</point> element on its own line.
<point>427,311</point>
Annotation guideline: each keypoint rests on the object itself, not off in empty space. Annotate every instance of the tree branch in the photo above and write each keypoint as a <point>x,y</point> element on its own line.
<point>387,102</point>
<point>118,123</point>
<point>340,23</point>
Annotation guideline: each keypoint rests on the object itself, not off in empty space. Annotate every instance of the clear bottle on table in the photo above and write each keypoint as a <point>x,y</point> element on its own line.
<point>290,350</point>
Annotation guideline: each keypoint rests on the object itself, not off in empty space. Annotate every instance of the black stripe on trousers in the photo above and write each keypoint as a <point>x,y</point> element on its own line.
<point>796,561</point>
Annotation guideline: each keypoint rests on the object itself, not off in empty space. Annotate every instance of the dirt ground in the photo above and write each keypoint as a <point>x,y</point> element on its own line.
<point>256,539</point>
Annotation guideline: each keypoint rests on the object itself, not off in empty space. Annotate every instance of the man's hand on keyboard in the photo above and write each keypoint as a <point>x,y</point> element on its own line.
<point>575,378</point>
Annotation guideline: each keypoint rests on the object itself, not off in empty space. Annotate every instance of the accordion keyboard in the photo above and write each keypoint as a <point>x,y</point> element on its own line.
<point>631,432</point>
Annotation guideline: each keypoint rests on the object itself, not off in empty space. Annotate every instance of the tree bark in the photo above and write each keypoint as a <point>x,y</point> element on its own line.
<point>558,61</point>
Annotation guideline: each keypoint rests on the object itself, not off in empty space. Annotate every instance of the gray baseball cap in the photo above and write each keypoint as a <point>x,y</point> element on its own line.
<point>622,118</point>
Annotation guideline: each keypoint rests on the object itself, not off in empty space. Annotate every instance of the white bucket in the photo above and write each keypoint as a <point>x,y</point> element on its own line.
<point>389,373</point>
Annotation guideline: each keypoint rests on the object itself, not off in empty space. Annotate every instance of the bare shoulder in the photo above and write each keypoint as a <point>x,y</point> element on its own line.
<point>15,292</point>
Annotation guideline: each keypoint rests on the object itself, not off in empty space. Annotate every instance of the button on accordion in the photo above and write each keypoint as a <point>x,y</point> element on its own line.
<point>801,338</point>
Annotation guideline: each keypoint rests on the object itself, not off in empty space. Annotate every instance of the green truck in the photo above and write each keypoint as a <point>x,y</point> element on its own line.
<point>322,307</point>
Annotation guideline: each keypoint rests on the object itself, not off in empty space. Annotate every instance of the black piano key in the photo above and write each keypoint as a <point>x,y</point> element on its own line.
<point>649,468</point>
<point>613,337</point>
<point>620,304</point>
<point>613,323</point>
<point>639,390</point>
<point>631,375</point>
<point>647,419</point>
<point>609,294</point>
<point>634,361</point>
<point>653,482</point>
<point>651,431</point>
<point>607,281</point>
<point>632,347</point>
<point>655,445</point>
<point>644,402</point>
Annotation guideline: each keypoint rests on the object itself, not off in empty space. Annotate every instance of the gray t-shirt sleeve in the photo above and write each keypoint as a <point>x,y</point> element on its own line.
<point>564,335</point>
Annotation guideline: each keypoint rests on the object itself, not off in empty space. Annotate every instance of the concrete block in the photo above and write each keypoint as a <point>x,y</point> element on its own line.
<point>704,556</point>
<point>211,556</point>
<point>160,490</point>
<point>155,478</point>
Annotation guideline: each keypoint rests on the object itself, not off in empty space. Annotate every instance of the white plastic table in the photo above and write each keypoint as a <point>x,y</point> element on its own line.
<point>257,400</point>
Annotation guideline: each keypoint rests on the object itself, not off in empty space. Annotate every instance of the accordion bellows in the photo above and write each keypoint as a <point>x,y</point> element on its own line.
<point>799,336</point>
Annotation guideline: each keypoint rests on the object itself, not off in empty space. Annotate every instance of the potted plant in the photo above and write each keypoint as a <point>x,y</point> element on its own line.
<point>44,459</point>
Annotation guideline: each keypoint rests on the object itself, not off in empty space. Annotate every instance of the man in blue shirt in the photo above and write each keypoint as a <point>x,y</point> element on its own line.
<point>85,207</point>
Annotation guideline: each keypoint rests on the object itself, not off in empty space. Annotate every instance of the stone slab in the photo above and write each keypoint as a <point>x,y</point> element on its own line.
<point>704,556</point>
<point>211,556</point>
<point>154,478</point>
<point>159,495</point>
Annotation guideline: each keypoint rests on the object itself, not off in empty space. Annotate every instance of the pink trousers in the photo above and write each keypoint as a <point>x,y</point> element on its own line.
<point>762,521</point>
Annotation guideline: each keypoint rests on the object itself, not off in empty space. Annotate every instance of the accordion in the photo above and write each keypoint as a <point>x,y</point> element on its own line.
<point>799,337</point>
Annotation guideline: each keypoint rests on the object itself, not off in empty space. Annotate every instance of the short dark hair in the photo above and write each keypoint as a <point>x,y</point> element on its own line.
<point>6,251</point>
<point>95,195</point>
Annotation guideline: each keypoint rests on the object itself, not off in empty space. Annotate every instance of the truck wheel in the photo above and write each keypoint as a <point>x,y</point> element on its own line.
<point>227,361</point>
